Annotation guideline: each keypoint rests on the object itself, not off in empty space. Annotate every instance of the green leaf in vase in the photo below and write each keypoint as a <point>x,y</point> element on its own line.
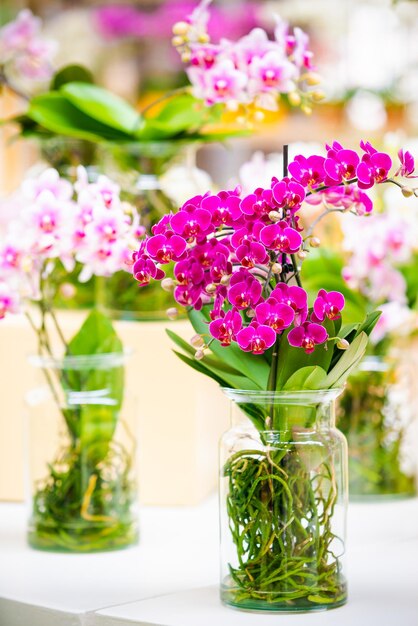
<point>255,368</point>
<point>309,377</point>
<point>55,113</point>
<point>103,106</point>
<point>293,359</point>
<point>95,386</point>
<point>349,360</point>
<point>70,74</point>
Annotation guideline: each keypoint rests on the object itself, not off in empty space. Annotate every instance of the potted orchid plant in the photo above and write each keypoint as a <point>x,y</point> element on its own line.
<point>282,358</point>
<point>84,495</point>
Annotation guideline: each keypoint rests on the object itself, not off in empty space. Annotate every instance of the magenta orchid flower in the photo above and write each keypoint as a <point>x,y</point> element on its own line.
<point>191,223</point>
<point>341,165</point>
<point>166,248</point>
<point>294,297</point>
<point>281,237</point>
<point>256,338</point>
<point>224,208</point>
<point>249,254</point>
<point>225,328</point>
<point>275,314</point>
<point>307,336</point>
<point>309,172</point>
<point>328,304</point>
<point>374,168</point>
<point>288,194</point>
<point>244,290</point>
<point>407,167</point>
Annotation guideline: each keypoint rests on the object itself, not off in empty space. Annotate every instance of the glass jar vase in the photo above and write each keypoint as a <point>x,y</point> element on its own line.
<point>283,499</point>
<point>82,455</point>
<point>376,413</point>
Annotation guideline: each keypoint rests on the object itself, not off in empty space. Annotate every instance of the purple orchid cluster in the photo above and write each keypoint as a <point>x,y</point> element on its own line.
<point>240,254</point>
<point>24,52</point>
<point>251,70</point>
<point>85,223</point>
<point>117,21</point>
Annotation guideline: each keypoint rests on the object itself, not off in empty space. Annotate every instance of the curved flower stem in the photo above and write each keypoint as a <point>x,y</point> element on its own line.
<point>166,96</point>
<point>316,221</point>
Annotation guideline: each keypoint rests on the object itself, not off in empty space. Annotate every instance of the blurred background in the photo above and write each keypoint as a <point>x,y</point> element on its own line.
<point>367,52</point>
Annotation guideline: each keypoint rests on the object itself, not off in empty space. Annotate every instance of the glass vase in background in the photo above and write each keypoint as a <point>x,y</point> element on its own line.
<point>377,415</point>
<point>156,177</point>
<point>82,479</point>
<point>283,498</point>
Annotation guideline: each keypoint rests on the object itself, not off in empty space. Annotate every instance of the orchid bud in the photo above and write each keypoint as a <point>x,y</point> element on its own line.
<point>167,284</point>
<point>317,95</point>
<point>177,41</point>
<point>67,291</point>
<point>312,78</point>
<point>268,422</point>
<point>211,288</point>
<point>302,255</point>
<point>185,57</point>
<point>305,108</point>
<point>315,242</point>
<point>294,98</point>
<point>277,268</point>
<point>275,216</point>
<point>199,355</point>
<point>204,38</point>
<point>225,279</point>
<point>343,344</point>
<point>181,28</point>
<point>172,313</point>
<point>197,341</point>
<point>250,313</point>
<point>407,192</point>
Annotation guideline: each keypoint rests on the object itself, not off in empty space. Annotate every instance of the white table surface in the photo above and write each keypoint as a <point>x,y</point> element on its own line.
<point>171,578</point>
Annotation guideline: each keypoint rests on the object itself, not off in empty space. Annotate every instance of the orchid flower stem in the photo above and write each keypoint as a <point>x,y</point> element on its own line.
<point>166,96</point>
<point>320,217</point>
<point>45,345</point>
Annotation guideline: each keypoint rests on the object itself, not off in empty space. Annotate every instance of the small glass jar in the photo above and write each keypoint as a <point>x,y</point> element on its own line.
<point>376,413</point>
<point>82,455</point>
<point>283,499</point>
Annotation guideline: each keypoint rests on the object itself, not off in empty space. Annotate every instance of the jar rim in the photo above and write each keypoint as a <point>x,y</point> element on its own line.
<point>105,360</point>
<point>258,396</point>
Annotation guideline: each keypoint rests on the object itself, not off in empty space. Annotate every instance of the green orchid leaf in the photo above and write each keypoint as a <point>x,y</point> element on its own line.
<point>103,106</point>
<point>55,113</point>
<point>197,365</point>
<point>70,74</point>
<point>252,367</point>
<point>182,114</point>
<point>293,359</point>
<point>94,422</point>
<point>308,377</point>
<point>347,363</point>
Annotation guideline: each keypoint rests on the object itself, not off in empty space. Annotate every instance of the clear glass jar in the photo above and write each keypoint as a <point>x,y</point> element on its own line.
<point>376,413</point>
<point>283,499</point>
<point>82,455</point>
<point>138,169</point>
